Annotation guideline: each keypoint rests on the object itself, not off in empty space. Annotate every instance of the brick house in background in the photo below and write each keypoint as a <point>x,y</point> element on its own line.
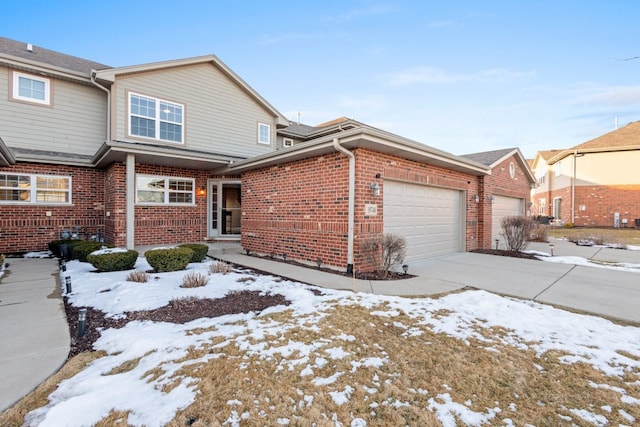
<point>592,184</point>
<point>184,150</point>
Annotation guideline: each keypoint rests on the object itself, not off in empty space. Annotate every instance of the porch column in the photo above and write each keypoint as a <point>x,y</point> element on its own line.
<point>131,199</point>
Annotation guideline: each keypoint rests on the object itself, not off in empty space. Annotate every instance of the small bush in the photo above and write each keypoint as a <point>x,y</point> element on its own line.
<point>80,250</point>
<point>138,276</point>
<point>516,230</point>
<point>246,279</point>
<point>194,280</point>
<point>1,261</point>
<point>568,225</point>
<point>55,245</point>
<point>199,251</point>
<point>220,267</point>
<point>169,259</point>
<point>384,251</point>
<point>539,233</point>
<point>118,260</point>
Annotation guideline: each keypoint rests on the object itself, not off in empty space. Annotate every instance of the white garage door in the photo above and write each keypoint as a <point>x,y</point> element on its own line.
<point>503,206</point>
<point>428,217</point>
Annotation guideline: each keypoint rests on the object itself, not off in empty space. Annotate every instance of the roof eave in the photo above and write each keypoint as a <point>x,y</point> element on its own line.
<point>111,73</point>
<point>567,153</point>
<point>6,156</point>
<point>373,139</point>
<point>43,68</point>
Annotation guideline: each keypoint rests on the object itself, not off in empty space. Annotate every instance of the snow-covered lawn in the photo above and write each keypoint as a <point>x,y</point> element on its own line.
<point>340,358</point>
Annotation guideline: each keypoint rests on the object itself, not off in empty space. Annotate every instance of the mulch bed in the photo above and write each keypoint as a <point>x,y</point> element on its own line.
<point>178,311</point>
<point>502,252</point>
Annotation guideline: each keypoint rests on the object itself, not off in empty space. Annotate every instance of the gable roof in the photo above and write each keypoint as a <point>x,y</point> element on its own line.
<point>362,136</point>
<point>109,75</point>
<point>306,132</point>
<point>493,158</point>
<point>625,138</point>
<point>17,54</point>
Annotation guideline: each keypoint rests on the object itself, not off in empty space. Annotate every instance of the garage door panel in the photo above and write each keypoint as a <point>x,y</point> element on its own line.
<point>428,217</point>
<point>502,207</point>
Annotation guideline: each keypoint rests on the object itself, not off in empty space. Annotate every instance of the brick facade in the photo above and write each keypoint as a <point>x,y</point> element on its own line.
<point>301,208</point>
<point>26,227</point>
<point>595,205</point>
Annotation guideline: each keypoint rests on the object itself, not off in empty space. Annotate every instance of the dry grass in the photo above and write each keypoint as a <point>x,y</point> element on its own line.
<point>621,236</point>
<point>421,369</point>
<point>138,276</point>
<point>14,416</point>
<point>220,267</point>
<point>193,279</point>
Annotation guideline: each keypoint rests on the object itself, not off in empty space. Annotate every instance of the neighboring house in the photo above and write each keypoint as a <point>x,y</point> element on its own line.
<point>592,184</point>
<point>511,178</point>
<point>185,150</point>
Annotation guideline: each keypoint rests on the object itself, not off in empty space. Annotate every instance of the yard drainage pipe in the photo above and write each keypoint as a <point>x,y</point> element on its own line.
<point>352,201</point>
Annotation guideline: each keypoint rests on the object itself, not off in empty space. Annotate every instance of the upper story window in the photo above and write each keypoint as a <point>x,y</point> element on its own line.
<point>164,190</point>
<point>27,188</point>
<point>155,118</point>
<point>264,133</point>
<point>287,142</point>
<point>557,168</point>
<point>542,173</point>
<point>30,88</point>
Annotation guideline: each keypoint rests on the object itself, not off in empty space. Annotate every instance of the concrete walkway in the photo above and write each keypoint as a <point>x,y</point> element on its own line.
<point>604,292</point>
<point>34,335</point>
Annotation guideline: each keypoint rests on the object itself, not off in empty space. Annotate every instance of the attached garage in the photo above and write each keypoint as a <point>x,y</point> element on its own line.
<point>430,218</point>
<point>502,207</point>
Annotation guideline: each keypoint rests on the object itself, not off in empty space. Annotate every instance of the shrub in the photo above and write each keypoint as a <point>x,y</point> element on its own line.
<point>55,246</point>
<point>113,260</point>
<point>539,233</point>
<point>199,251</point>
<point>384,251</point>
<point>1,261</point>
<point>80,250</point>
<point>194,280</point>
<point>168,259</point>
<point>220,267</point>
<point>516,230</point>
<point>138,276</point>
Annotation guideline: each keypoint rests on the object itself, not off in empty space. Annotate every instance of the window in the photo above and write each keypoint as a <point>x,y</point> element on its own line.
<point>541,175</point>
<point>557,169</point>
<point>31,88</point>
<point>264,133</point>
<point>43,189</point>
<point>287,142</point>
<point>156,119</point>
<point>542,207</point>
<point>164,190</point>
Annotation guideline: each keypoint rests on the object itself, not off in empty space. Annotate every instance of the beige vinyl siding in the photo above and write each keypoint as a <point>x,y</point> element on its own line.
<point>620,167</point>
<point>74,123</point>
<point>218,116</point>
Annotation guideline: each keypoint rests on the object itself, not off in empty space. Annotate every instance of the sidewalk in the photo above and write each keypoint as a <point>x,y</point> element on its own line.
<point>33,327</point>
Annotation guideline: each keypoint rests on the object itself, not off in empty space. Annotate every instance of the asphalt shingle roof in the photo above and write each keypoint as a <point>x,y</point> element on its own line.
<point>50,57</point>
<point>488,158</point>
<point>627,136</point>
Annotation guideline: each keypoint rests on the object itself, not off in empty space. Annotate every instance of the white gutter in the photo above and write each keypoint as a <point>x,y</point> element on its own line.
<point>93,80</point>
<point>352,201</point>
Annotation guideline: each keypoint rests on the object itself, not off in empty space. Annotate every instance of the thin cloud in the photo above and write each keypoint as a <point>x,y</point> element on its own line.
<point>444,24</point>
<point>612,96</point>
<point>432,75</point>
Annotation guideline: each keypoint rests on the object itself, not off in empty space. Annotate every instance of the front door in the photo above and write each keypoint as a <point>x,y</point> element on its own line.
<point>557,208</point>
<point>225,201</point>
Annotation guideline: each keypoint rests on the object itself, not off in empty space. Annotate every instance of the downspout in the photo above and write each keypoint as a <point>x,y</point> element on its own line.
<point>96,84</point>
<point>352,201</point>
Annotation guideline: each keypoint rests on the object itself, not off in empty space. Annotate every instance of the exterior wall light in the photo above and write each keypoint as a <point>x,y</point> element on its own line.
<point>202,191</point>
<point>491,198</point>
<point>375,187</point>
<point>476,198</point>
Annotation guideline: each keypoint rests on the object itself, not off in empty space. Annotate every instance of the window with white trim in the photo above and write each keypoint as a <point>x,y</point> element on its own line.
<point>542,207</point>
<point>557,169</point>
<point>542,173</point>
<point>287,142</point>
<point>155,118</point>
<point>37,189</point>
<point>165,190</point>
<point>264,133</point>
<point>30,88</point>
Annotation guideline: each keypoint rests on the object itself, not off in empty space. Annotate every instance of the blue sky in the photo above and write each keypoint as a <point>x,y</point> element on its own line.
<point>461,76</point>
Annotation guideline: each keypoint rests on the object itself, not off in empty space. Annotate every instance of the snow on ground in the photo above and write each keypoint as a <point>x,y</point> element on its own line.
<point>94,392</point>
